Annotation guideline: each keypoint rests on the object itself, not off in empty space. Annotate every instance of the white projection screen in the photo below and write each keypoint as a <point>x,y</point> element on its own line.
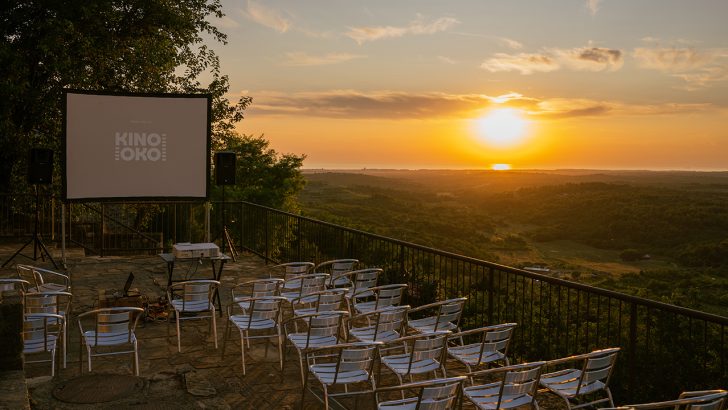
<point>136,146</point>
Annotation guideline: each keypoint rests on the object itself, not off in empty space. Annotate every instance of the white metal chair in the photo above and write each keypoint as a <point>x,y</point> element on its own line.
<point>689,400</point>
<point>516,387</point>
<point>335,268</point>
<point>422,353</point>
<point>262,315</point>
<point>289,271</point>
<point>323,301</point>
<point>191,300</point>
<point>242,292</point>
<point>40,334</point>
<point>17,286</point>
<point>435,394</point>
<point>376,298</point>
<point>490,346</point>
<point>322,329</point>
<point>52,302</point>
<point>104,329</point>
<point>382,325</point>
<point>360,281</point>
<point>574,384</point>
<point>442,315</point>
<point>341,365</point>
<point>42,280</point>
<point>302,285</point>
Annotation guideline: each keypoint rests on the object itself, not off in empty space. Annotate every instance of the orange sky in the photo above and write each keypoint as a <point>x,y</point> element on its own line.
<point>600,84</point>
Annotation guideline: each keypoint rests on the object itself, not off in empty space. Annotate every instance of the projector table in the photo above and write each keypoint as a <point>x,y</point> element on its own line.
<point>217,262</point>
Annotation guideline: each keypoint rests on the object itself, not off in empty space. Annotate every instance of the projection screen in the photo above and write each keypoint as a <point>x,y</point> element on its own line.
<point>136,146</point>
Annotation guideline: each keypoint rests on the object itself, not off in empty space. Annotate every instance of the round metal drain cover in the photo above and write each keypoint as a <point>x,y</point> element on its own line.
<point>98,388</point>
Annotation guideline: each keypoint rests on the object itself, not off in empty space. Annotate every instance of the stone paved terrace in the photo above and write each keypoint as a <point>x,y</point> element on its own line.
<point>196,378</point>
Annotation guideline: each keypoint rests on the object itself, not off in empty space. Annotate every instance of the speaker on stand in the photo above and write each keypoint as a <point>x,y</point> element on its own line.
<point>225,168</point>
<point>40,172</point>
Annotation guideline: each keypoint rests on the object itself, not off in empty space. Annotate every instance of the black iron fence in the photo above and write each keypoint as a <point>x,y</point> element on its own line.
<point>665,349</point>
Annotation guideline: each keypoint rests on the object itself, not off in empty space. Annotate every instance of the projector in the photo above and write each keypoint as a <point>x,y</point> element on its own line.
<point>188,250</point>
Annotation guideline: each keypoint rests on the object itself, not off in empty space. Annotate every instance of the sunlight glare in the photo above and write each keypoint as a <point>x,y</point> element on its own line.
<point>503,127</point>
<point>500,167</point>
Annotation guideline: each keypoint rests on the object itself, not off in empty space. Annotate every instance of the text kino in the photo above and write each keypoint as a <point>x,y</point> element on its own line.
<point>140,146</point>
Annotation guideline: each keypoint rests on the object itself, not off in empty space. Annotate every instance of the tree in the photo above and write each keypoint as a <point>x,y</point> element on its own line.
<point>149,46</point>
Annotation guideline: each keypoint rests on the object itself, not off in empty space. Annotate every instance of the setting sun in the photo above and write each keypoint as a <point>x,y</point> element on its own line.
<point>503,127</point>
<point>500,167</point>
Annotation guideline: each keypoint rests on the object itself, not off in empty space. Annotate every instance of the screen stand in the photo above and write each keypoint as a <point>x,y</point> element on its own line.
<point>38,245</point>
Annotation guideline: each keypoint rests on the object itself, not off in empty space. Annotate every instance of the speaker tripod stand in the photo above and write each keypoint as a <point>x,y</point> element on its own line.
<point>226,238</point>
<point>38,245</point>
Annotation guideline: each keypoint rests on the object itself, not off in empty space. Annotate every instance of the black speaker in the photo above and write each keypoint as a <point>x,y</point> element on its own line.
<point>40,166</point>
<point>225,168</point>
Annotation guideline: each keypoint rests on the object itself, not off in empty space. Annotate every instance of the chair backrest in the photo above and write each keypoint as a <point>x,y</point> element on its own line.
<point>426,346</point>
<point>17,286</point>
<point>26,273</point>
<point>449,314</point>
<point>689,400</point>
<point>336,267</point>
<point>324,325</point>
<point>264,308</point>
<point>290,269</point>
<point>322,301</point>
<point>383,296</point>
<point>363,279</point>
<point>48,302</point>
<point>386,320</point>
<point>40,331</point>
<point>496,339</point>
<point>255,289</point>
<point>111,326</point>
<point>355,356</point>
<point>439,394</point>
<point>598,367</point>
<point>311,283</point>
<point>518,382</point>
<point>196,295</point>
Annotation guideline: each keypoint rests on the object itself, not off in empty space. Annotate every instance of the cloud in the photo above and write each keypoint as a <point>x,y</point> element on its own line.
<point>696,68</point>
<point>593,6</point>
<point>525,63</point>
<point>446,60</point>
<point>551,59</point>
<point>510,43</point>
<point>397,105</point>
<point>590,58</point>
<point>267,17</point>
<point>299,58</point>
<point>417,27</point>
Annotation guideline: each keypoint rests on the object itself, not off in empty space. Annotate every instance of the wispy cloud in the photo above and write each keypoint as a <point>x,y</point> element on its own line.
<point>300,58</point>
<point>446,60</point>
<point>510,43</point>
<point>551,59</point>
<point>267,17</point>
<point>524,63</point>
<point>418,26</point>
<point>393,105</point>
<point>590,58</point>
<point>697,68</point>
<point>593,6</point>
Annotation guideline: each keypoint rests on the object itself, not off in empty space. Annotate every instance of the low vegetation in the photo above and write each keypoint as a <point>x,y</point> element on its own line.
<point>661,235</point>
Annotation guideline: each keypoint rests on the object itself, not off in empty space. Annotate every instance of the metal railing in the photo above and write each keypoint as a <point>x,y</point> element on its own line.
<point>666,349</point>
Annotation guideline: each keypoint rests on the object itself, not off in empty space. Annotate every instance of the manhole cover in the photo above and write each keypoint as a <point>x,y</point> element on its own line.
<point>98,388</point>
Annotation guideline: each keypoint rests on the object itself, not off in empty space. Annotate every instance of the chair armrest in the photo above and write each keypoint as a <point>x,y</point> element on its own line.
<point>438,304</point>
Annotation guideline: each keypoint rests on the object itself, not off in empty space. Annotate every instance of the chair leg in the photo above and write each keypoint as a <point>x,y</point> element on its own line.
<point>65,340</point>
<point>179,343</point>
<point>80,355</point>
<point>136,359</point>
<point>243,339</point>
<point>214,327</point>
<point>280,350</point>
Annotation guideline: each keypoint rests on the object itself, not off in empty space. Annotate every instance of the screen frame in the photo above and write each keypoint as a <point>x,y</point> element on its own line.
<point>64,147</point>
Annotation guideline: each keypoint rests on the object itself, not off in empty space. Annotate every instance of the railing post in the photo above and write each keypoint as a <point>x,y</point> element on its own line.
<point>632,353</point>
<point>267,242</point>
<point>401,262</point>
<point>491,289</point>
<point>298,237</point>
<point>103,224</point>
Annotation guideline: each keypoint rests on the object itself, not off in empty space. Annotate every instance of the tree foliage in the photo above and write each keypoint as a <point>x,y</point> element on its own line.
<point>151,46</point>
